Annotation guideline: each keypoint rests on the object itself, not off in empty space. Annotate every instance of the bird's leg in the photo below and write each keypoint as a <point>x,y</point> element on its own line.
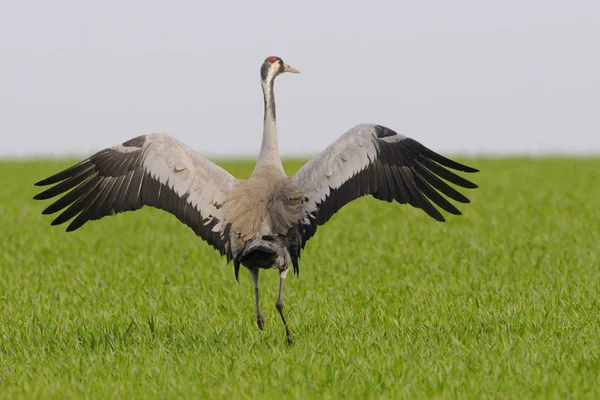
<point>259,318</point>
<point>279,305</point>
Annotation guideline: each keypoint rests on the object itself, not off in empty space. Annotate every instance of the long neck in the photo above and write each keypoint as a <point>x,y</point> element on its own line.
<point>269,150</point>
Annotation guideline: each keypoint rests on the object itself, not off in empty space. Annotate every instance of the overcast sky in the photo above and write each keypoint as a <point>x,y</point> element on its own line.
<point>459,76</point>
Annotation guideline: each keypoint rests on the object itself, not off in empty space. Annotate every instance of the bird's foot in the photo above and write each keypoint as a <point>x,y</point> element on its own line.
<point>289,335</point>
<point>260,321</point>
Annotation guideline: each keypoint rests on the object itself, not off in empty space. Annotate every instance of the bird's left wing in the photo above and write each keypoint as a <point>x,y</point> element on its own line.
<point>155,170</point>
<point>372,159</point>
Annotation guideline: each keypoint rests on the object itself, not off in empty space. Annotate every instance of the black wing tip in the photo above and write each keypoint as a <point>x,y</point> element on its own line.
<point>431,210</point>
<point>48,181</point>
<point>54,178</point>
<point>64,174</point>
<point>450,163</point>
<point>45,195</point>
<point>382,131</point>
<point>56,222</point>
<point>438,217</point>
<point>465,168</point>
<point>72,228</point>
<point>469,185</point>
<point>440,159</point>
<point>137,141</point>
<point>48,211</point>
<point>236,268</point>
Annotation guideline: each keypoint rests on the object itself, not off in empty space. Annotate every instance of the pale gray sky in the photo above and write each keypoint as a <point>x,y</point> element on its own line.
<point>459,76</point>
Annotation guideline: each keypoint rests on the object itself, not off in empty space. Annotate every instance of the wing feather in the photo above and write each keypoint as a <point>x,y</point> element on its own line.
<point>155,170</point>
<point>374,160</point>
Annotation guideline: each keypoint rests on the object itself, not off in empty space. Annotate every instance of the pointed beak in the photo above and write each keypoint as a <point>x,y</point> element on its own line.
<point>287,68</point>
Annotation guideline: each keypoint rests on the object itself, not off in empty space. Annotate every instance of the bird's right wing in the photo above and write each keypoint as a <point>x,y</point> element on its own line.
<point>155,170</point>
<point>372,159</point>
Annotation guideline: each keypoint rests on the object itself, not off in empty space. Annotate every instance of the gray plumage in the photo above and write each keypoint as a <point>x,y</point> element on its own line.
<point>265,221</point>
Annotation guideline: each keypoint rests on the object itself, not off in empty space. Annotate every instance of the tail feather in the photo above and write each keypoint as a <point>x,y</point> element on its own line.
<point>259,254</point>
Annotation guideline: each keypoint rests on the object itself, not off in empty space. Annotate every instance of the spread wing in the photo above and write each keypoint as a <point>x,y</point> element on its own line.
<point>155,170</point>
<point>372,159</point>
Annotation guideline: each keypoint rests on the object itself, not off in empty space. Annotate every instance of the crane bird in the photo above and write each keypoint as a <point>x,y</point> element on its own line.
<point>265,221</point>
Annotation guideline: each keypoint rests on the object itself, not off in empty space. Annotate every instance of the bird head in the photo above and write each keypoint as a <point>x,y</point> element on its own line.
<point>274,66</point>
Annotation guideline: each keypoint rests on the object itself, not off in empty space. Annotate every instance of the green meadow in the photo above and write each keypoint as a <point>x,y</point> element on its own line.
<point>502,302</point>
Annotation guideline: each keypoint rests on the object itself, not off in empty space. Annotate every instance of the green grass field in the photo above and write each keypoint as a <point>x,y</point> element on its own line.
<point>501,302</point>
